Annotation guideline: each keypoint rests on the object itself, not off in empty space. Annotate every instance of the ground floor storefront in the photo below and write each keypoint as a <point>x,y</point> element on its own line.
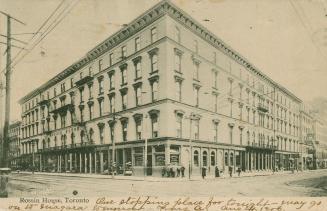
<point>162,157</point>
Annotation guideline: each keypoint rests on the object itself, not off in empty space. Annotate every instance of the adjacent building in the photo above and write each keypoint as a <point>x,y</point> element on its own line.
<point>162,91</point>
<point>14,145</point>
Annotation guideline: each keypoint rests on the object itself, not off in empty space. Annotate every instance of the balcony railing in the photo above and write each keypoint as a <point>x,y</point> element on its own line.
<point>84,80</point>
<point>63,108</point>
<point>261,146</point>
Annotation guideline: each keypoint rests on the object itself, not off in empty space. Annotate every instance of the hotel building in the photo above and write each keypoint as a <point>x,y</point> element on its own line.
<point>161,91</point>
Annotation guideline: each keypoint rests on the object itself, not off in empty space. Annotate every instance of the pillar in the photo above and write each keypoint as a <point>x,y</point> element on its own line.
<point>41,163</point>
<point>70,162</point>
<point>85,162</point>
<point>95,162</point>
<point>124,160</point>
<point>90,162</point>
<point>80,162</point>
<point>101,162</point>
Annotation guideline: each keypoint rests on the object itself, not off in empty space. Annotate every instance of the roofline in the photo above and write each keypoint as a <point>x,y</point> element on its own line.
<point>147,17</point>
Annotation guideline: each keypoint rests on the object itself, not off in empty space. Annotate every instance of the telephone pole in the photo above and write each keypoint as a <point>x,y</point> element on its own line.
<point>5,144</point>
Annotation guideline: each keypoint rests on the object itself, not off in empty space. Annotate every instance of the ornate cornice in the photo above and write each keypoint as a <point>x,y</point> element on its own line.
<point>164,7</point>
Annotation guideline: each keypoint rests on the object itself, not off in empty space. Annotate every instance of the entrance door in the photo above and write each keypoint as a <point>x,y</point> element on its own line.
<point>149,165</point>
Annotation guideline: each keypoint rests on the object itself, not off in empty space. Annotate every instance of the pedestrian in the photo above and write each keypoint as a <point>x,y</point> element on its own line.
<point>217,171</point>
<point>163,171</point>
<point>239,171</point>
<point>204,173</point>
<point>178,171</point>
<point>171,172</point>
<point>183,171</point>
<point>230,170</point>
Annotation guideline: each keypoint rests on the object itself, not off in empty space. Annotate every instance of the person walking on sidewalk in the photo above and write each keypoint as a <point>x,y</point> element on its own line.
<point>239,171</point>
<point>204,173</point>
<point>183,171</point>
<point>216,171</point>
<point>230,170</point>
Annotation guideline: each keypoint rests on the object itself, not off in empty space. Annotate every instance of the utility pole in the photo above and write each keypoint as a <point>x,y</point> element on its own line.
<point>4,162</point>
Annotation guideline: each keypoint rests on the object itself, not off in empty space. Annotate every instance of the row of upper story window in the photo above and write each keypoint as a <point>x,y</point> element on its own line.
<point>112,58</point>
<point>199,47</point>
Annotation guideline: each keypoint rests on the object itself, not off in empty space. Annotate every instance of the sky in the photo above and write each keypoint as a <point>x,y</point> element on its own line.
<point>285,39</point>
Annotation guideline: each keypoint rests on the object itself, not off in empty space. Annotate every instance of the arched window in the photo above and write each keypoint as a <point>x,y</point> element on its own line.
<point>82,136</point>
<point>91,135</point>
<point>231,159</point>
<point>248,137</point>
<point>43,144</point>
<point>205,158</point>
<point>55,141</point>
<point>48,143</point>
<point>226,159</point>
<point>196,158</point>
<point>213,158</point>
<point>253,137</point>
<point>72,136</point>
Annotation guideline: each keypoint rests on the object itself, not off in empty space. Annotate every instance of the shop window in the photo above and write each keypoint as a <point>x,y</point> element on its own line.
<point>205,158</point>
<point>138,156</point>
<point>238,159</point>
<point>213,159</point>
<point>231,159</point>
<point>174,155</point>
<point>196,158</point>
<point>226,159</point>
<point>160,155</point>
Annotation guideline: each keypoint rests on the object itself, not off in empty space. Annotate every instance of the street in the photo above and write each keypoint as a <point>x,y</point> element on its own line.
<point>309,183</point>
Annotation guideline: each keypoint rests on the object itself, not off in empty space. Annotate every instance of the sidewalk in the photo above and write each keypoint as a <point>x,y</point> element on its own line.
<point>160,179</point>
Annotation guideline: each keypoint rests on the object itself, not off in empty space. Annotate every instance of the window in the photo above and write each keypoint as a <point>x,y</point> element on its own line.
<point>63,121</point>
<point>100,64</point>
<point>154,126</point>
<point>90,71</point>
<point>154,91</point>
<point>154,63</point>
<point>124,129</point>
<point>138,123</point>
<point>101,134</point>
<point>138,71</point>
<point>91,111</point>
<point>100,107</point>
<point>72,136</point>
<point>179,125</point>
<point>159,155</point>
<point>137,44</point>
<point>138,94</point>
<point>82,135</point>
<point>196,158</point>
<point>196,96</point>
<point>54,92</point>
<point>111,81</point>
<point>90,91</point>
<point>123,52</point>
<point>231,157</point>
<point>205,158</point>
<point>71,82</point>
<point>63,88</point>
<point>177,35</point>
<point>213,158</point>
<point>124,76</point>
<point>100,80</point>
<point>112,104</point>
<point>178,90</point>
<point>154,35</point>
<point>138,156</point>
<point>178,62</point>
<point>81,92</point>
<point>124,100</point>
<point>91,133</point>
<point>196,129</point>
<point>174,155</point>
<point>111,59</point>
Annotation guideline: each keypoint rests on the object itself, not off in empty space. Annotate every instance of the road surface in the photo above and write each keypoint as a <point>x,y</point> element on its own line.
<point>309,183</point>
